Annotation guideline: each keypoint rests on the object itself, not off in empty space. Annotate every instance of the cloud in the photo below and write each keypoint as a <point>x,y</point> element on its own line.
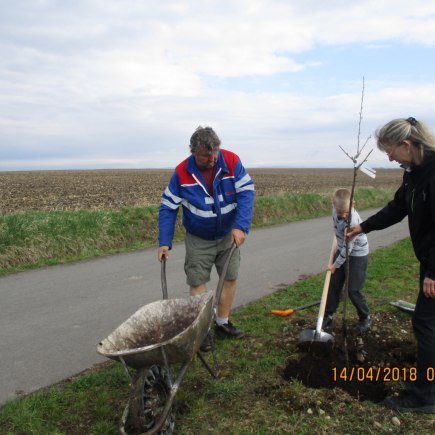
<point>93,83</point>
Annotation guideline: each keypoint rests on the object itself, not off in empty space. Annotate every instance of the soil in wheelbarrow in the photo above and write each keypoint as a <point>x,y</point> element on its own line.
<point>377,363</point>
<point>163,330</point>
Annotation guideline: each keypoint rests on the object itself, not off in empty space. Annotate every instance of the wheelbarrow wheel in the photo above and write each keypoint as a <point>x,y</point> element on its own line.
<point>150,391</point>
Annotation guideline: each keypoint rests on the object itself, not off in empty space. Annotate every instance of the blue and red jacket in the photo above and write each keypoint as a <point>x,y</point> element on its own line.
<point>206,216</point>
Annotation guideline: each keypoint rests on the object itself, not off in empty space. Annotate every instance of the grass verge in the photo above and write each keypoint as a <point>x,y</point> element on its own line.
<point>250,395</point>
<point>33,239</point>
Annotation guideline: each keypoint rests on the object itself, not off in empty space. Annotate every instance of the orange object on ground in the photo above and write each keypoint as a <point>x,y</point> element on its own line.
<point>290,311</point>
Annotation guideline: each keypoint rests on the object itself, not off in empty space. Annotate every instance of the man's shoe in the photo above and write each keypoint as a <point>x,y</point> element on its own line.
<point>327,322</point>
<point>229,330</point>
<point>406,402</point>
<point>206,344</point>
<point>365,324</point>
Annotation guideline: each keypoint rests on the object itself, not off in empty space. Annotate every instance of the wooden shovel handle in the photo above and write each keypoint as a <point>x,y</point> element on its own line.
<point>326,288</point>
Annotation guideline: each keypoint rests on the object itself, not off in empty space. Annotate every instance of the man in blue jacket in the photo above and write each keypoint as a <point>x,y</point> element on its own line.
<point>217,195</point>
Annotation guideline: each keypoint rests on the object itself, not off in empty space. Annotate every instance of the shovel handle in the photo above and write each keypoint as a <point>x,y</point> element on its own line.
<point>325,289</point>
<point>323,301</point>
<point>290,311</point>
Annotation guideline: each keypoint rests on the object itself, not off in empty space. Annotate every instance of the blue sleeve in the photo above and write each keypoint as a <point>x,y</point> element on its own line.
<point>170,203</point>
<point>245,196</point>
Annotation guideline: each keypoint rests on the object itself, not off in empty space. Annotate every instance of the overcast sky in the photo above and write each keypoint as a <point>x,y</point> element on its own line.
<point>123,84</point>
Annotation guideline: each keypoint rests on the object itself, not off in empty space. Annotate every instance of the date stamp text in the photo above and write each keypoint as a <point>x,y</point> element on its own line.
<point>380,374</point>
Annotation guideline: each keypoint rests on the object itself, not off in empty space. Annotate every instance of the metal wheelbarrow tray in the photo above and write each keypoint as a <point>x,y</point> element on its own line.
<point>157,335</point>
<point>178,325</point>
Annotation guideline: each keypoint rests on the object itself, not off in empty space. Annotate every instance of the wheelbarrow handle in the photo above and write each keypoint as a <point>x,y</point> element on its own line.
<point>163,278</point>
<point>220,285</point>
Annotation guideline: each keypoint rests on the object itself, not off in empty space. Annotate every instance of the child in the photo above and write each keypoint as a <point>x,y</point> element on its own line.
<point>358,260</point>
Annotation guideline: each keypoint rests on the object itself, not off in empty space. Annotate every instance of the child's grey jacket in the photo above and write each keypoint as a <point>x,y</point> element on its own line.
<point>358,247</point>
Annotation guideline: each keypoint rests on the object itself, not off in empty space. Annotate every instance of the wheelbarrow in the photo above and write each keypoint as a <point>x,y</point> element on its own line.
<point>156,338</point>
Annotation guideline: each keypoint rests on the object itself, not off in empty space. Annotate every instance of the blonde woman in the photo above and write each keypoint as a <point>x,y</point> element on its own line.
<point>410,143</point>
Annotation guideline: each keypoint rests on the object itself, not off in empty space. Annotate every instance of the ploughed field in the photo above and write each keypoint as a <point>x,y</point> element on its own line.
<point>117,188</point>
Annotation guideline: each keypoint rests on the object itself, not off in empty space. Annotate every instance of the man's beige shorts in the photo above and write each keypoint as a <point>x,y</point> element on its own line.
<point>202,254</point>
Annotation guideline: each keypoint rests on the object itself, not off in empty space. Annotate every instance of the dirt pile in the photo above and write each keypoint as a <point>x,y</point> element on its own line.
<point>377,361</point>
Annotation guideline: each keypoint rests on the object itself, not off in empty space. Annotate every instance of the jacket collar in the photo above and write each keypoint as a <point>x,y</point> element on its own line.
<point>220,164</point>
<point>428,160</point>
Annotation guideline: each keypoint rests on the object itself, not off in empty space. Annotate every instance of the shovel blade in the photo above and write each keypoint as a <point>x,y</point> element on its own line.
<point>311,339</point>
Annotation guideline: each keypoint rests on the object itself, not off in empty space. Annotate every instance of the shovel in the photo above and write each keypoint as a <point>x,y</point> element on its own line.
<point>310,336</point>
<point>290,311</point>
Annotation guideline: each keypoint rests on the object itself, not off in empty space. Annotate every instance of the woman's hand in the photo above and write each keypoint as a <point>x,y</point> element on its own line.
<point>352,232</point>
<point>429,288</point>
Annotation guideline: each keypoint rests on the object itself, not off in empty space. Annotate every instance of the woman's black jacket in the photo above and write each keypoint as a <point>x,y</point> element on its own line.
<point>416,199</point>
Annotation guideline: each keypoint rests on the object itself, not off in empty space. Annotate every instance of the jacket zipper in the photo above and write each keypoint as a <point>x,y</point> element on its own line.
<point>412,199</point>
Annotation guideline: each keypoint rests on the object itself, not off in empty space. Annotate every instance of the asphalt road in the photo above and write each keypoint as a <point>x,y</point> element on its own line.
<point>53,318</point>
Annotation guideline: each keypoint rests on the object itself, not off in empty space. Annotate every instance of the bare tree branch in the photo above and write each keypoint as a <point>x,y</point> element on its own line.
<point>356,166</point>
<point>360,118</point>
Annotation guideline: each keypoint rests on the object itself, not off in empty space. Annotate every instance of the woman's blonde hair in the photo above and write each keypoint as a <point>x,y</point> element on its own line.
<point>398,130</point>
